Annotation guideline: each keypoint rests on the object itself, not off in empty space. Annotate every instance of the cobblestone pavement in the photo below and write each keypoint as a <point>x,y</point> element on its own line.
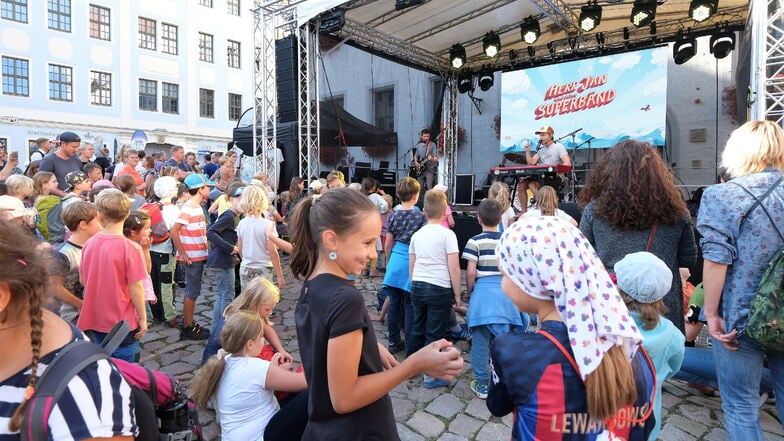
<point>449,413</point>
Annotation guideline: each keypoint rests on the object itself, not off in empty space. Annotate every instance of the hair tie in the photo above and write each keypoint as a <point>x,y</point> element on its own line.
<point>221,354</point>
<point>21,262</point>
<point>29,392</point>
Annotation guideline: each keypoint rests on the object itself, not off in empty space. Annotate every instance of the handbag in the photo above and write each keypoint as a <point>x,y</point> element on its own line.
<point>766,311</point>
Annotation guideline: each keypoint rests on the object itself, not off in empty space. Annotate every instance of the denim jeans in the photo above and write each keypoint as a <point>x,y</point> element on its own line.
<point>399,311</point>
<point>224,291</point>
<point>739,373</point>
<point>129,353</point>
<point>698,367</point>
<point>213,342</point>
<point>432,305</point>
<point>482,335</point>
<point>193,274</point>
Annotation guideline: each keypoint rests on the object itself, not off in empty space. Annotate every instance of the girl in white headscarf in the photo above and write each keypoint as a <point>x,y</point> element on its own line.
<point>583,375</point>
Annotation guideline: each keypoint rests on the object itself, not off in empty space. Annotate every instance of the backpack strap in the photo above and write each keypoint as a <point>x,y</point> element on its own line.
<point>561,347</point>
<point>115,336</point>
<point>71,360</point>
<point>758,201</point>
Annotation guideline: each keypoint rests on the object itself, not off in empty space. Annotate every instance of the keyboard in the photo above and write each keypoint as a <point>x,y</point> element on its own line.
<point>530,170</point>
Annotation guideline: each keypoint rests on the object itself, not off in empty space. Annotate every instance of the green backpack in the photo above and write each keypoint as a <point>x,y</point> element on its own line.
<point>766,311</point>
<point>50,217</point>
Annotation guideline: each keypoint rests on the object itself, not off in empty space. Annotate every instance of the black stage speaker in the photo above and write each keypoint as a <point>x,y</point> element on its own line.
<point>464,189</point>
<point>286,78</point>
<point>466,227</point>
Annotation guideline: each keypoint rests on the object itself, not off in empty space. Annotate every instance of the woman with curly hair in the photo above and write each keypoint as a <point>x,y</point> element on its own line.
<point>632,204</point>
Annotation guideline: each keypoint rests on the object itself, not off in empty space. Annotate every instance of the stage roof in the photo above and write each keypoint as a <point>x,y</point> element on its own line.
<point>422,35</point>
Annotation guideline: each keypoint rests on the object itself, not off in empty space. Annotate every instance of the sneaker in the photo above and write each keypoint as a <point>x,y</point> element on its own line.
<point>462,334</point>
<point>705,390</point>
<point>194,332</point>
<point>435,382</point>
<point>396,347</point>
<point>479,389</point>
<point>763,399</point>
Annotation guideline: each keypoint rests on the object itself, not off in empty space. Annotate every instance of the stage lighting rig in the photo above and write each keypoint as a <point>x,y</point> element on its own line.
<point>643,12</point>
<point>701,10</point>
<point>722,44</point>
<point>403,4</point>
<point>530,30</point>
<point>590,16</point>
<point>491,44</point>
<point>457,56</point>
<point>486,79</point>
<point>684,48</point>
<point>465,82</point>
<point>332,21</point>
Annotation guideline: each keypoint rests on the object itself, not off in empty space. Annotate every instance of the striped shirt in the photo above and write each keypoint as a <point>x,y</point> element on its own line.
<point>481,249</point>
<point>193,233</point>
<point>96,404</point>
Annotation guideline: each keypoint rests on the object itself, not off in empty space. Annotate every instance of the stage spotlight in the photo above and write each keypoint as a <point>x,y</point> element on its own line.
<point>684,48</point>
<point>486,80</point>
<point>512,54</point>
<point>529,30</point>
<point>491,44</point>
<point>643,12</point>
<point>600,38</point>
<point>653,28</point>
<point>332,21</point>
<point>465,82</point>
<point>403,4</point>
<point>722,44</point>
<point>625,33</point>
<point>531,51</point>
<point>701,10</point>
<point>457,56</point>
<point>590,16</point>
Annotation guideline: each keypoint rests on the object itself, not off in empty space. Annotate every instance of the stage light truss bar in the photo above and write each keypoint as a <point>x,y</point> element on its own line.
<point>265,96</point>
<point>378,41</point>
<point>474,13</point>
<point>553,8</point>
<point>769,100</point>
<point>451,132</point>
<point>308,109</point>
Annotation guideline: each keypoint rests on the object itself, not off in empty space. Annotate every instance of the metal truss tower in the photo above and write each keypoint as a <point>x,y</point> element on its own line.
<point>767,60</point>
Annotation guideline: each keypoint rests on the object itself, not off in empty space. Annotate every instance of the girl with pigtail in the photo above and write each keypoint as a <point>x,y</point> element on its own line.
<point>348,373</point>
<point>97,401</point>
<point>243,385</point>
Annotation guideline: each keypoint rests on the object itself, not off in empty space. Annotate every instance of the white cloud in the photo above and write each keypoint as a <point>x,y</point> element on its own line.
<point>657,88</point>
<point>660,56</point>
<point>518,104</point>
<point>605,60</point>
<point>515,82</point>
<point>627,61</point>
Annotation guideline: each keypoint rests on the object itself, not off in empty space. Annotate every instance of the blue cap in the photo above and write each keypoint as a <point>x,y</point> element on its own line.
<point>197,180</point>
<point>643,276</point>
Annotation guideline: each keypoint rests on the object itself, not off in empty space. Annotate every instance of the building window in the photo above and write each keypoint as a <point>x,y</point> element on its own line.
<point>148,95</point>
<point>100,88</point>
<point>233,53</point>
<point>233,7</point>
<point>207,3</point>
<point>100,27</point>
<point>146,33</point>
<point>168,38</point>
<point>16,77</point>
<point>384,109</point>
<point>171,98</point>
<point>60,83</point>
<point>15,10</point>
<point>235,106</point>
<point>206,103</point>
<point>205,47</point>
<point>60,15</point>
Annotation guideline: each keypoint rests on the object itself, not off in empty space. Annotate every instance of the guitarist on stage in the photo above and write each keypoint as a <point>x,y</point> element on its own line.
<point>424,164</point>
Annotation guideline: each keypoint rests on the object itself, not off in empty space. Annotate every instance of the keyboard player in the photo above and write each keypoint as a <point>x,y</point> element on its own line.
<point>548,151</point>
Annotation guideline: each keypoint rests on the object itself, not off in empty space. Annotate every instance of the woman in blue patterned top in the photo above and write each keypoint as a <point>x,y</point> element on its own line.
<point>97,402</point>
<point>736,253</point>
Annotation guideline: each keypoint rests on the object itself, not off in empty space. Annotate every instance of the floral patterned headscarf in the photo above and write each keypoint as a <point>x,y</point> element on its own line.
<point>549,259</point>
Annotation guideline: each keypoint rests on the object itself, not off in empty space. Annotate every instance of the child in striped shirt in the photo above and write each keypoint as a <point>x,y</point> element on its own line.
<point>189,234</point>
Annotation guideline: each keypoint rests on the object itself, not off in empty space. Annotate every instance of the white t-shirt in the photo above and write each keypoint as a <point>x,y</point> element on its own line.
<point>170,214</point>
<point>431,244</point>
<point>551,154</point>
<point>243,404</point>
<point>506,217</point>
<point>253,232</point>
<point>535,212</point>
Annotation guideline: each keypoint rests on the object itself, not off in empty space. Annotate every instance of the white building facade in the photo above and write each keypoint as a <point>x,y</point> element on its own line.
<point>179,70</point>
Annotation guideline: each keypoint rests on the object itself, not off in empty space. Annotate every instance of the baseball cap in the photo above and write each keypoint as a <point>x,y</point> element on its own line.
<point>165,186</point>
<point>545,129</point>
<point>12,207</point>
<point>238,192</point>
<point>316,185</point>
<point>440,187</point>
<point>75,177</point>
<point>197,180</point>
<point>69,137</point>
<point>643,276</point>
